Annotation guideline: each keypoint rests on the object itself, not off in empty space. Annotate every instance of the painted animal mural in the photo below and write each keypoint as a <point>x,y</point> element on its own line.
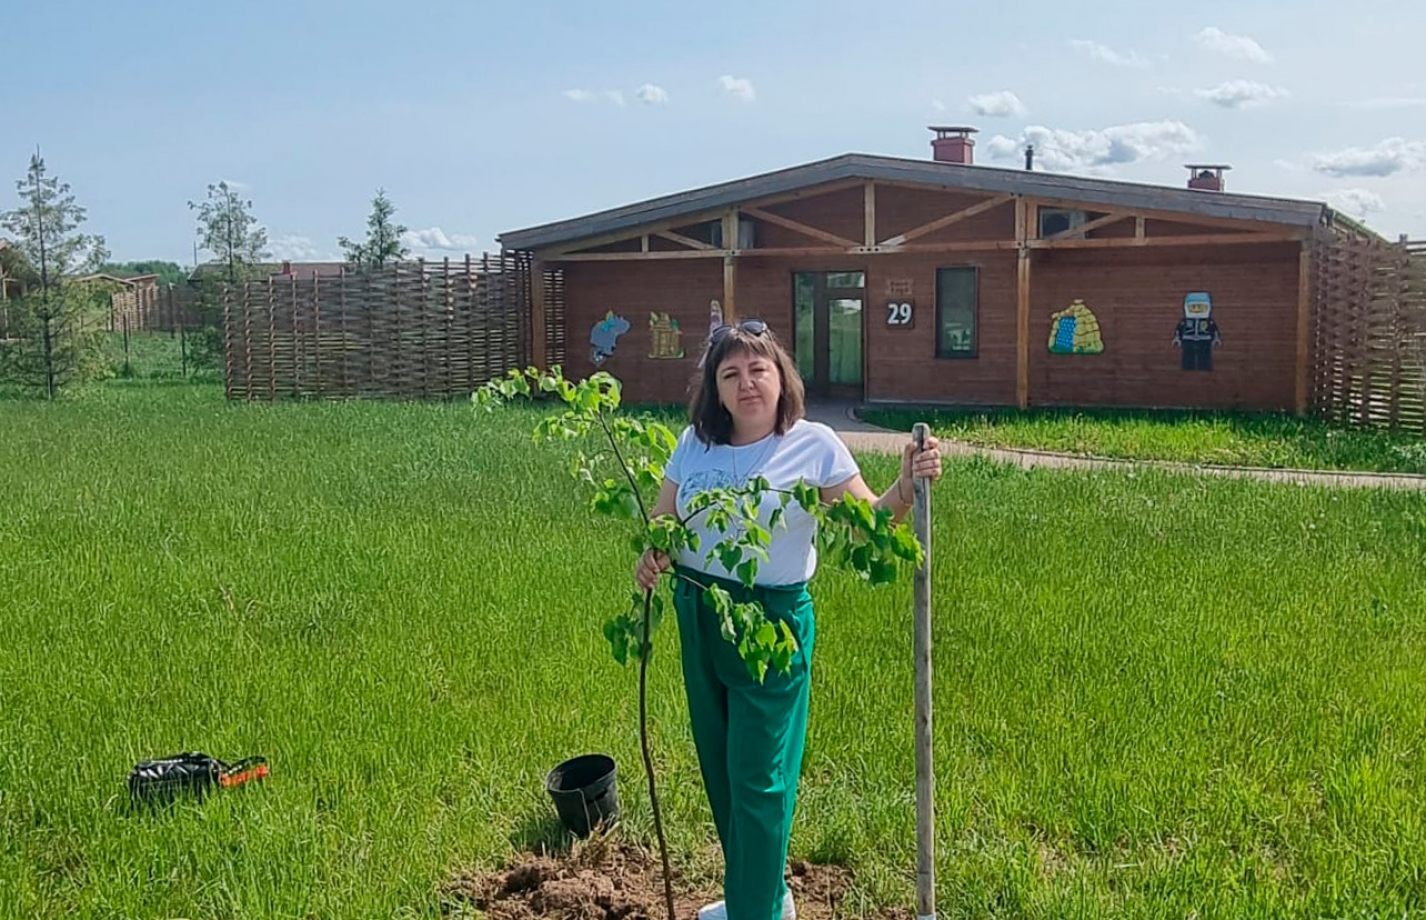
<point>605,335</point>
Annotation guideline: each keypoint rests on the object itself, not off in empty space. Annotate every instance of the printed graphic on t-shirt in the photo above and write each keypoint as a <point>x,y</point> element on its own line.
<point>702,481</point>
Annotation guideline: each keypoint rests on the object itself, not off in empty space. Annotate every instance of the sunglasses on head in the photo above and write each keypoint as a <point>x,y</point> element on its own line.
<point>750,326</point>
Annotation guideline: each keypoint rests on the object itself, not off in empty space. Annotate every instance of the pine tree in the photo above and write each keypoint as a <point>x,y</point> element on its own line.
<point>57,325</point>
<point>383,238</point>
<point>227,229</point>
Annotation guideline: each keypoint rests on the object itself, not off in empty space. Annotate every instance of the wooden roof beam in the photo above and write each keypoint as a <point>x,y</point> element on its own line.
<point>1088,226</point>
<point>799,227</point>
<point>682,240</point>
<point>1179,217</point>
<point>948,220</point>
<point>651,256</point>
<point>561,250</point>
<point>1152,242</point>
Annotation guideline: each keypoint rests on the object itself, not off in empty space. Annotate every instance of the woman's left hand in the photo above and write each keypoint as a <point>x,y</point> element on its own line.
<point>923,464</point>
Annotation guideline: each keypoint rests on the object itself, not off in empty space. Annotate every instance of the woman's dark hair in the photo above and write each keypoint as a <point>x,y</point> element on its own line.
<point>712,423</point>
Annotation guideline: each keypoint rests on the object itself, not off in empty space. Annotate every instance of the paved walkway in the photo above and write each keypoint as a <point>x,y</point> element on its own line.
<point>862,436</point>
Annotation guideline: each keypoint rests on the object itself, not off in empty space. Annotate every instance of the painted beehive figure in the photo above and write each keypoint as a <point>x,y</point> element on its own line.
<point>1075,331</point>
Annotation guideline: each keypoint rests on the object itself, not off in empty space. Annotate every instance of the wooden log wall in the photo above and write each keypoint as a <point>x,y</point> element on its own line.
<point>1369,345</point>
<point>160,308</point>
<point>411,330</point>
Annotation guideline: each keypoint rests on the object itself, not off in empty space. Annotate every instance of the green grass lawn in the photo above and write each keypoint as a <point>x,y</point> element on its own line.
<point>1156,696</point>
<point>1195,437</point>
<point>154,356</point>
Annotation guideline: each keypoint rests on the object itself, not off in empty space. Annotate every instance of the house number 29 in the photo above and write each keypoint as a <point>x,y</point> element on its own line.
<point>898,313</point>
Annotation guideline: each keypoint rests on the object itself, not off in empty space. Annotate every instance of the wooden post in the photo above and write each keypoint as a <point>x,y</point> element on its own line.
<point>730,270</point>
<point>1304,324</point>
<point>869,210</point>
<point>538,357</point>
<point>1023,210</point>
<point>925,766</point>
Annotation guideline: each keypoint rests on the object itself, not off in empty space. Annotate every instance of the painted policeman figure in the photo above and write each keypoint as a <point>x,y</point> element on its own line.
<point>1197,333</point>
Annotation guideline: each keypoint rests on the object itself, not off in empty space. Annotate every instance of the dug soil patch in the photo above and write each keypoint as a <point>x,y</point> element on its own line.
<point>613,880</point>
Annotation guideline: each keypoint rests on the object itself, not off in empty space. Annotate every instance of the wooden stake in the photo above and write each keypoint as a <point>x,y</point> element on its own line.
<point>925,768</point>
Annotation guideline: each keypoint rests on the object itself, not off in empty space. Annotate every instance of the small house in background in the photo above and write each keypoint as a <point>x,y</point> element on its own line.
<point>285,270</point>
<point>134,301</point>
<point>940,281</point>
<point>10,287</point>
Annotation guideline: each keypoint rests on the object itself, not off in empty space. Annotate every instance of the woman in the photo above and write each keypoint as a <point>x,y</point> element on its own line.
<point>747,421</point>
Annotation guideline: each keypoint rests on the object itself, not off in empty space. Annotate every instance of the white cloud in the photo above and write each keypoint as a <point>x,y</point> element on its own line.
<point>650,94</point>
<point>295,248</point>
<point>586,95</point>
<point>1001,147</point>
<point>1237,46</point>
<point>1358,202</point>
<point>1003,104</point>
<point>1387,158</point>
<point>738,87</point>
<point>1241,94</point>
<point>938,105</point>
<point>1099,151</point>
<point>434,239</point>
<point>1109,55</point>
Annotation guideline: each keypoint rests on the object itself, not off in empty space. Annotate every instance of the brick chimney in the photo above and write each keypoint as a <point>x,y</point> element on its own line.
<point>1207,177</point>
<point>953,145</point>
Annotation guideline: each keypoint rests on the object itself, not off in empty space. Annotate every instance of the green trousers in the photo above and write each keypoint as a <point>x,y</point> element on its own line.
<point>749,738</point>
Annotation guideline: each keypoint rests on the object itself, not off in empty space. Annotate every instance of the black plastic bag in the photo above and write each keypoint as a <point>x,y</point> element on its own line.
<point>191,773</point>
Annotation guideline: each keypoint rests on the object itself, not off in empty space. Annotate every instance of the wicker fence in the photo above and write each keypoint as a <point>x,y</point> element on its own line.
<point>1370,309</point>
<point>155,308</point>
<point>413,330</point>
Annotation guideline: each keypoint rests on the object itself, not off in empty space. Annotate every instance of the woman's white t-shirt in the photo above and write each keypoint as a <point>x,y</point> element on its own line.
<point>809,451</point>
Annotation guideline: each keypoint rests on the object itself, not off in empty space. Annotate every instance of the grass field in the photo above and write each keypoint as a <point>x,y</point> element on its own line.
<point>1156,696</point>
<point>153,356</point>
<point>1194,437</point>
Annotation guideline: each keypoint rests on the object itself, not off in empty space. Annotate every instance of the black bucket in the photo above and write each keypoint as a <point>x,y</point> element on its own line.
<point>586,792</point>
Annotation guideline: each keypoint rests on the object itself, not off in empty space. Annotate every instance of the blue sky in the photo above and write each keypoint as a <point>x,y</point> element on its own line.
<point>480,117</point>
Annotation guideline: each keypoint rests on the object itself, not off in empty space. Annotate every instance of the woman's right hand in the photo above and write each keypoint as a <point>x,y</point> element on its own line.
<point>651,565</point>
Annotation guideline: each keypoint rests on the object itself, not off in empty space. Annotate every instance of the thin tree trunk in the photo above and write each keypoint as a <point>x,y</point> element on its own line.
<point>49,358</point>
<point>648,759</point>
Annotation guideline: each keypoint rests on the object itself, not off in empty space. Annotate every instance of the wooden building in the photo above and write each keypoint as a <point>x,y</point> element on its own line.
<point>940,281</point>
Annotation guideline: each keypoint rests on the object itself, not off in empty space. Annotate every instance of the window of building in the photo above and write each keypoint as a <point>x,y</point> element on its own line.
<point>957,303</point>
<point>1060,220</point>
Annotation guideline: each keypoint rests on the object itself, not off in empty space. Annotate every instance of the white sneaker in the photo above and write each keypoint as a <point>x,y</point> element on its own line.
<point>718,910</point>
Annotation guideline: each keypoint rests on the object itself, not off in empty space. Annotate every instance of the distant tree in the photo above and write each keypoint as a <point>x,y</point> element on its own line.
<point>168,272</point>
<point>227,229</point>
<point>59,324</point>
<point>383,237</point>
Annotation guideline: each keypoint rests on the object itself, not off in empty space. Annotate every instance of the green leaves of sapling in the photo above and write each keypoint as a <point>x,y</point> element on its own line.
<point>627,470</point>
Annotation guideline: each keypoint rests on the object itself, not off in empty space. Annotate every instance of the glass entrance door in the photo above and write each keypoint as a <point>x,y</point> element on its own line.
<point>828,328</point>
